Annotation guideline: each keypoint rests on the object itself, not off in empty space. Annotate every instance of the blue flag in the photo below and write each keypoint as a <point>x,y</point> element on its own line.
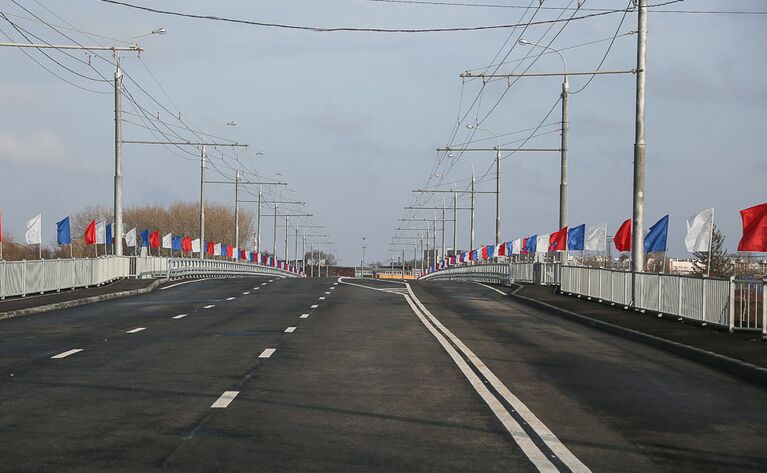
<point>109,238</point>
<point>145,238</point>
<point>657,236</point>
<point>575,238</point>
<point>177,243</point>
<point>531,244</point>
<point>63,235</point>
<point>223,249</point>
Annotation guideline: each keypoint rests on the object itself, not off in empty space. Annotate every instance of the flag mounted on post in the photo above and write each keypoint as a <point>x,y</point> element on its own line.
<point>754,229</point>
<point>596,238</point>
<point>542,243</point>
<point>699,230</point>
<point>576,237</point>
<point>177,243</point>
<point>63,234</point>
<point>154,239</point>
<point>167,241</point>
<point>101,233</point>
<point>130,237</point>
<point>622,237</point>
<point>33,234</point>
<point>657,237</point>
<point>210,248</point>
<point>516,247</point>
<point>196,247</point>
<point>145,238</point>
<point>558,240</point>
<point>530,244</point>
<point>186,244</point>
<point>90,233</point>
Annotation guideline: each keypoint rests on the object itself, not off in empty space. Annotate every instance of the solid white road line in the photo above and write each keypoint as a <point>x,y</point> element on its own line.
<point>546,435</point>
<point>231,298</point>
<point>533,453</point>
<point>304,316</point>
<point>290,330</point>
<point>315,306</point>
<point>267,353</point>
<point>493,288</point>
<point>180,283</point>
<point>180,316</point>
<point>136,330</point>
<point>209,306</point>
<point>66,353</point>
<point>225,399</point>
<point>246,293</point>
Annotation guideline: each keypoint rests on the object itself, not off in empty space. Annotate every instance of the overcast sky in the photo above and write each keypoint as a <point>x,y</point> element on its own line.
<point>352,120</point>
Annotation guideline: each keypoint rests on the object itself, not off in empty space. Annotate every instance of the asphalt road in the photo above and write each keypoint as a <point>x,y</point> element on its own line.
<point>246,375</point>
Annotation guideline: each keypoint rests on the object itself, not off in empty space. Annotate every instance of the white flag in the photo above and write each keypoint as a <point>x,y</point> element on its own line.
<point>101,233</point>
<point>33,235</point>
<point>235,253</point>
<point>130,238</point>
<point>516,247</point>
<point>217,249</point>
<point>542,243</point>
<point>699,228</point>
<point>596,238</point>
<point>167,241</point>
<point>196,245</point>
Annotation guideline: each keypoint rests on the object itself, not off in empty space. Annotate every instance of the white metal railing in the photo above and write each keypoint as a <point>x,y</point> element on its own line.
<point>501,273</point>
<point>21,278</point>
<point>731,303</point>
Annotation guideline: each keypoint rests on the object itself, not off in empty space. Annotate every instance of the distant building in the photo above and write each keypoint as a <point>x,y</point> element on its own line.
<point>680,266</point>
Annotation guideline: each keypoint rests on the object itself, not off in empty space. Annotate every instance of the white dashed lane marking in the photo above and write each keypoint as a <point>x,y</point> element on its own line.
<point>245,293</point>
<point>264,283</point>
<point>180,316</point>
<point>209,306</point>
<point>328,292</point>
<point>315,306</point>
<point>290,330</point>
<point>231,298</point>
<point>136,330</point>
<point>66,353</point>
<point>322,298</point>
<point>225,399</point>
<point>304,316</point>
<point>267,353</point>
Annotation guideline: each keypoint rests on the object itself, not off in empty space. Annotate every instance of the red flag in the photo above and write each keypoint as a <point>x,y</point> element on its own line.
<point>90,234</point>
<point>558,240</point>
<point>229,251</point>
<point>243,254</point>
<point>154,239</point>
<point>754,229</point>
<point>502,250</point>
<point>523,249</point>
<point>186,243</point>
<point>210,247</point>
<point>623,237</point>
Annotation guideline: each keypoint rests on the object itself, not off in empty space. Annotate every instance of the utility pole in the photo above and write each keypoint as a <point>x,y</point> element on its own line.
<point>202,202</point>
<point>237,214</point>
<point>118,197</point>
<point>258,223</point>
<point>455,223</point>
<point>637,249</point>
<point>287,219</point>
<point>443,229</point>
<point>274,250</point>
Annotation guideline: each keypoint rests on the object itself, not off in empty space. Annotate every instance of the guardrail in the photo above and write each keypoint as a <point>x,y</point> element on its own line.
<point>731,303</point>
<point>21,278</point>
<point>500,273</point>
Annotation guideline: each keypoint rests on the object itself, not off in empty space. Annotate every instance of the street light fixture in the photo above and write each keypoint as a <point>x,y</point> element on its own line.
<point>563,207</point>
<point>497,181</point>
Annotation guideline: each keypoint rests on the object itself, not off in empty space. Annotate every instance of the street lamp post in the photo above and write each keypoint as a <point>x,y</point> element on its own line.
<point>563,207</point>
<point>497,182</point>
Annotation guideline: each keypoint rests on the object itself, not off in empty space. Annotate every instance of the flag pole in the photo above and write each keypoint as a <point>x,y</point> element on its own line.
<point>710,243</point>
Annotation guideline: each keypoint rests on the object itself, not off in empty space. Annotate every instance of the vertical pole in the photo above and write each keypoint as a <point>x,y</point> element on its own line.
<point>287,221</point>
<point>443,228</point>
<point>314,262</point>
<point>710,244</point>
<point>434,241</point>
<point>118,210</point>
<point>237,215</point>
<point>295,249</point>
<point>498,194</point>
<point>258,223</point>
<point>563,210</point>
<point>203,246</point>
<point>471,238</point>
<point>303,255</point>
<point>274,240</point>
<point>455,223</point>
<point>637,250</point>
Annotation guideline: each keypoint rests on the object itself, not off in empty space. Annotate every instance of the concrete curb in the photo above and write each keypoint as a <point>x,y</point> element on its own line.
<point>733,366</point>
<point>78,302</point>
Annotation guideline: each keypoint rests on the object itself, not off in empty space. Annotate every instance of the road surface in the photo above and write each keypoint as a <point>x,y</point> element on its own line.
<point>356,375</point>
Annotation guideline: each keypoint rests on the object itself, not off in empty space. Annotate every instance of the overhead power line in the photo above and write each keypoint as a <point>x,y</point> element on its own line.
<point>319,29</point>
